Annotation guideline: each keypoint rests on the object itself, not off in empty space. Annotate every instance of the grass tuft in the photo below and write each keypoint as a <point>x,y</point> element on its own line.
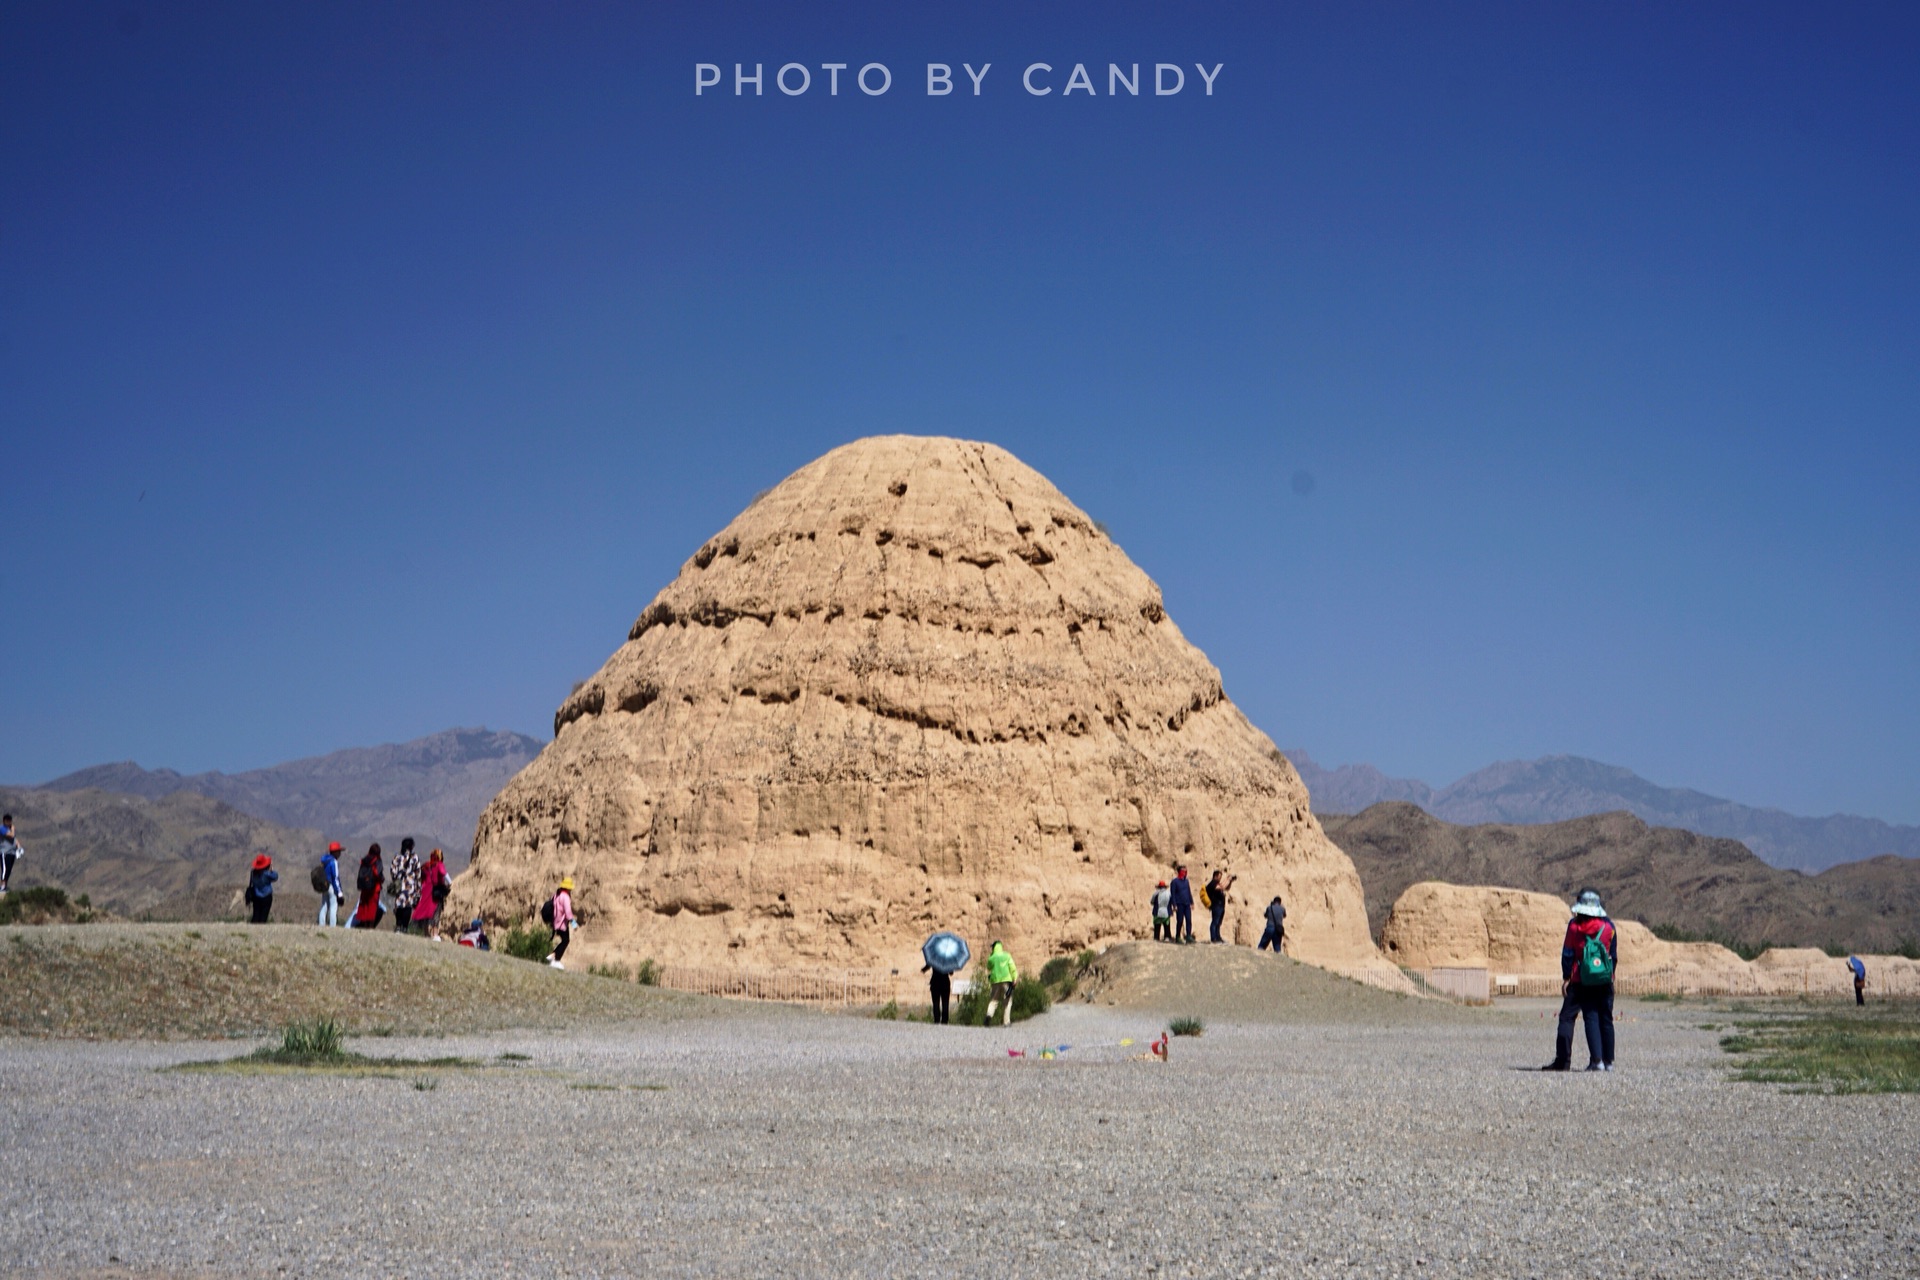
<point>889,1012</point>
<point>648,974</point>
<point>306,1044</point>
<point>1187,1027</point>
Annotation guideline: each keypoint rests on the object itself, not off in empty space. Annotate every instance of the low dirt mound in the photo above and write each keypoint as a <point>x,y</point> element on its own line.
<point>1234,984</point>
<point>128,981</point>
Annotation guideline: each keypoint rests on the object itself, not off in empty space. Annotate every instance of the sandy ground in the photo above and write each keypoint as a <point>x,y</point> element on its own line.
<point>757,1142</point>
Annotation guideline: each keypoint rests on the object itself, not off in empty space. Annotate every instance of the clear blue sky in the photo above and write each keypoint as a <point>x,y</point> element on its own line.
<point>364,370</point>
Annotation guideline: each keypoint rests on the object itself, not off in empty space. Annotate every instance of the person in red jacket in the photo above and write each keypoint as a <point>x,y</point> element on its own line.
<point>1588,958</point>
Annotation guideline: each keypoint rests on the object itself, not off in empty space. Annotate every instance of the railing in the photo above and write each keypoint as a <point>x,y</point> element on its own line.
<point>1887,984</point>
<point>841,987</point>
<point>1469,985</point>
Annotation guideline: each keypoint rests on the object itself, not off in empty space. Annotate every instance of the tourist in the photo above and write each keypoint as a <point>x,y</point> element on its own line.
<point>1181,897</point>
<point>9,851</point>
<point>1002,974</point>
<point>564,922</point>
<point>330,895</point>
<point>368,881</point>
<point>475,935</point>
<point>1216,896</point>
<point>260,887</point>
<point>940,989</point>
<point>1162,913</point>
<point>1588,958</point>
<point>1859,979</point>
<point>403,885</point>
<point>430,893</point>
<point>1276,931</point>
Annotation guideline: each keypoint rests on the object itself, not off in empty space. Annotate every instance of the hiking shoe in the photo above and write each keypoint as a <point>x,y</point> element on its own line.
<point>1594,1066</point>
<point>1557,1066</point>
<point>1606,1066</point>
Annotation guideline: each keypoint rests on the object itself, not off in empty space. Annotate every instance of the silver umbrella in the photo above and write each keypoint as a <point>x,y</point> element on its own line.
<point>946,952</point>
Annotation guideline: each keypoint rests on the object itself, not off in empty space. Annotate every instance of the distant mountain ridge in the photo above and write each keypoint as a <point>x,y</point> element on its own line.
<point>431,788</point>
<point>1560,788</point>
<point>1707,885</point>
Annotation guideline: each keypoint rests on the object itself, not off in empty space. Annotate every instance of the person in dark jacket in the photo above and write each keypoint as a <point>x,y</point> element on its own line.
<point>1583,995</point>
<point>260,887</point>
<point>368,881</point>
<point>1217,889</point>
<point>940,990</point>
<point>1275,935</point>
<point>1859,979</point>
<point>1182,899</point>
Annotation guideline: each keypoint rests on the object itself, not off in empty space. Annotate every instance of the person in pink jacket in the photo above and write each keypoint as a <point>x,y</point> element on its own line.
<point>435,884</point>
<point>563,922</point>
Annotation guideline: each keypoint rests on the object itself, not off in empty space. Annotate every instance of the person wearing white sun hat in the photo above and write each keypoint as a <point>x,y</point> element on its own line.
<point>1588,958</point>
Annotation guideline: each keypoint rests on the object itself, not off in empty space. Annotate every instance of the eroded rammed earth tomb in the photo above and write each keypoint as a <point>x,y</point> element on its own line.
<point>912,687</point>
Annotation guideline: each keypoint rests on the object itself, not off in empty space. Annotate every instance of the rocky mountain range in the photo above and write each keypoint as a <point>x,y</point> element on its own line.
<point>1707,886</point>
<point>175,857</point>
<point>1559,788</point>
<point>431,788</point>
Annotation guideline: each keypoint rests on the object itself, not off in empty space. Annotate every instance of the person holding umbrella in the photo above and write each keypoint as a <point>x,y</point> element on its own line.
<point>945,955</point>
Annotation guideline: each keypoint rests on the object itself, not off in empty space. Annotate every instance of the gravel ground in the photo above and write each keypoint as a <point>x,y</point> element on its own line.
<point>785,1144</point>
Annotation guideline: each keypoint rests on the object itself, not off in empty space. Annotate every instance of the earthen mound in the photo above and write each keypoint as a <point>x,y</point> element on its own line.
<point>911,687</point>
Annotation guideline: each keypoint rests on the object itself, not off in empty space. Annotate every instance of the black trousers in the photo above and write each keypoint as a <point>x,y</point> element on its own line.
<point>1859,991</point>
<point>262,908</point>
<point>561,937</point>
<point>1162,929</point>
<point>1595,1004</point>
<point>942,1001</point>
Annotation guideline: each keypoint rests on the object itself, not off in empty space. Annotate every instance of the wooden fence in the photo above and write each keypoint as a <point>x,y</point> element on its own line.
<point>835,987</point>
<point>1885,984</point>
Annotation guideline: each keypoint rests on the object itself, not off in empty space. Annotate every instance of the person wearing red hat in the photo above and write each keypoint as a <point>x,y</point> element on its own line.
<point>1162,913</point>
<point>330,895</point>
<point>260,887</point>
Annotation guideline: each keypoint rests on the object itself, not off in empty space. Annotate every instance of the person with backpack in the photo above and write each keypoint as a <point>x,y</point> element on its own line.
<point>368,881</point>
<point>1215,896</point>
<point>1002,973</point>
<point>1859,979</point>
<point>326,883</point>
<point>403,885</point>
<point>260,887</point>
<point>1181,898</point>
<point>1276,930</point>
<point>1162,913</point>
<point>431,894</point>
<point>559,913</point>
<point>1588,958</point>
<point>10,851</point>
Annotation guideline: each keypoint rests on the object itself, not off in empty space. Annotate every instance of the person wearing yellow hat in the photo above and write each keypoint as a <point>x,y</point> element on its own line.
<point>260,887</point>
<point>564,922</point>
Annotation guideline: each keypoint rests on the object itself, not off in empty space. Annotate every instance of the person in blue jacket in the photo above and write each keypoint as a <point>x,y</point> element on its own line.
<point>1182,906</point>
<point>1859,979</point>
<point>331,897</point>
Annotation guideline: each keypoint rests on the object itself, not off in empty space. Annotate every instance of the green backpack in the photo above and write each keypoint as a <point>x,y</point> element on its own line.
<point>1596,966</point>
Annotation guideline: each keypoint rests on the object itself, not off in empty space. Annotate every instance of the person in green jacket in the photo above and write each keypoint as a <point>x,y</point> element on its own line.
<point>1001,972</point>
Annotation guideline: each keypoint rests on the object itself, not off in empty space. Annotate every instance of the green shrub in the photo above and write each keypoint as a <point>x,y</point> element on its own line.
<point>1741,947</point>
<point>1187,1027</point>
<point>889,1012</point>
<point>1030,1000</point>
<point>648,974</point>
<point>42,900</point>
<point>613,971</point>
<point>1056,970</point>
<point>530,941</point>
